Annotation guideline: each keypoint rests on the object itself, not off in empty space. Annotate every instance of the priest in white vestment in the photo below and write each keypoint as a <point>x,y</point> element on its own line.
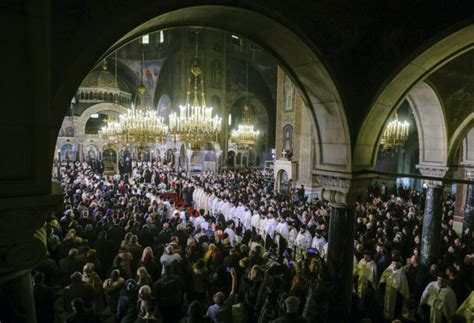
<point>318,241</point>
<point>303,242</point>
<point>396,289</point>
<point>441,300</point>
<point>281,236</point>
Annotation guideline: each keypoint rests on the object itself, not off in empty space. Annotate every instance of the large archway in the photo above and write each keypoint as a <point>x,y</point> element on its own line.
<point>463,132</point>
<point>296,56</point>
<point>399,87</point>
<point>430,124</point>
<point>104,108</point>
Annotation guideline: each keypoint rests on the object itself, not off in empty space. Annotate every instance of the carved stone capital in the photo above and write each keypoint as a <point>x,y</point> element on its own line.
<point>22,233</point>
<point>432,171</point>
<point>469,173</point>
<point>342,190</point>
<point>336,183</point>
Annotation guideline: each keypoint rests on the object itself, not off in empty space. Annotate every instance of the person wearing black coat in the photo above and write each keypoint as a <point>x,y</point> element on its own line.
<point>248,291</point>
<point>81,314</point>
<point>292,304</point>
<point>168,292</point>
<point>44,299</point>
<point>105,251</point>
<point>127,310</point>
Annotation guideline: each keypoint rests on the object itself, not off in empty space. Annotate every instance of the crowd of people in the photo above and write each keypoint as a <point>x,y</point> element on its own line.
<point>230,249</point>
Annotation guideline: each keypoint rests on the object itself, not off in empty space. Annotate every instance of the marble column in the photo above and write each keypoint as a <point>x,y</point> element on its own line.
<point>176,161</point>
<point>340,261</point>
<point>218,155</point>
<point>431,234</point>
<point>189,155</point>
<point>468,222</point>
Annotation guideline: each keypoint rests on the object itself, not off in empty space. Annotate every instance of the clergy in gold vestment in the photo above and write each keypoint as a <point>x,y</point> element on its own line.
<point>395,291</point>
<point>366,274</point>
<point>466,310</point>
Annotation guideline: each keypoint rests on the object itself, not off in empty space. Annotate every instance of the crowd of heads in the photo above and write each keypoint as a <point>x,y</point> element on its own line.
<point>155,244</point>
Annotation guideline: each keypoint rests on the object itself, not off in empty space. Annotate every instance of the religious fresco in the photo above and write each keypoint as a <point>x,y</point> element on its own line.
<point>151,72</point>
<point>216,74</point>
<point>69,132</point>
<point>164,107</point>
<point>288,94</point>
<point>92,152</point>
<point>68,152</point>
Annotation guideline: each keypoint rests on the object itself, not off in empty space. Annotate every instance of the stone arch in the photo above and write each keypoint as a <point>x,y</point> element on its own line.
<point>459,136</point>
<point>296,56</point>
<point>282,181</point>
<point>396,89</point>
<point>430,125</point>
<point>468,151</point>
<point>105,108</point>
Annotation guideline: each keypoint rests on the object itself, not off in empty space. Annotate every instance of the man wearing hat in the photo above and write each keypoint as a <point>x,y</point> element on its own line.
<point>441,300</point>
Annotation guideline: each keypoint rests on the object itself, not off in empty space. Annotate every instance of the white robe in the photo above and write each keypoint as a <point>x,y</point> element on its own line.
<point>395,282</point>
<point>318,243</point>
<point>292,238</point>
<point>231,235</point>
<point>270,228</point>
<point>255,220</point>
<point>231,214</point>
<point>303,241</point>
<point>245,220</point>
<point>282,230</point>
<point>442,302</point>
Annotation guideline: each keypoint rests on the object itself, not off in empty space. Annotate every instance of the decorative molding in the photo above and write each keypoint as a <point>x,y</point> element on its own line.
<point>433,171</point>
<point>333,182</point>
<point>343,190</point>
<point>469,173</point>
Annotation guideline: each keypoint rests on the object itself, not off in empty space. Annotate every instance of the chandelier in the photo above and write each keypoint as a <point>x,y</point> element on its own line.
<point>195,123</point>
<point>137,125</point>
<point>395,134</point>
<point>140,124</point>
<point>245,135</point>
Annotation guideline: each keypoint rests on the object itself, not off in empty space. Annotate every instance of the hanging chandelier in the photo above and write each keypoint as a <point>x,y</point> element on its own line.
<point>245,135</point>
<point>195,123</point>
<point>140,124</point>
<point>395,134</point>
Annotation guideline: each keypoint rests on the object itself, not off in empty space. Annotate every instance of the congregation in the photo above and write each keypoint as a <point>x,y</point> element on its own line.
<point>228,248</point>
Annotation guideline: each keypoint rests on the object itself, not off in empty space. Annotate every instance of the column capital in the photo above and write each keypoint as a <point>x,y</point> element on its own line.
<point>469,173</point>
<point>432,171</point>
<point>342,189</point>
